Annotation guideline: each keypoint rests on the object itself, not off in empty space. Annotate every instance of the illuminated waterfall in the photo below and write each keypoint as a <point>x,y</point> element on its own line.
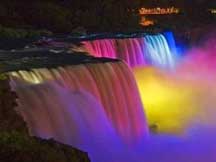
<point>86,95</point>
<point>175,101</point>
<point>96,107</point>
<point>158,52</point>
<point>154,50</point>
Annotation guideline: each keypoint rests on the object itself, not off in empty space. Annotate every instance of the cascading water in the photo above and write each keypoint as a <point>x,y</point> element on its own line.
<point>154,50</point>
<point>95,106</point>
<point>158,52</point>
<point>93,100</point>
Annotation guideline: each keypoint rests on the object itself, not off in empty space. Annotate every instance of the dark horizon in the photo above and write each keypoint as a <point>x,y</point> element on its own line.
<point>26,19</point>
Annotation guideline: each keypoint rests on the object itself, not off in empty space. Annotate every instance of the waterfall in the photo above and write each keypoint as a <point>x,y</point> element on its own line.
<point>156,50</point>
<point>96,107</point>
<point>69,103</point>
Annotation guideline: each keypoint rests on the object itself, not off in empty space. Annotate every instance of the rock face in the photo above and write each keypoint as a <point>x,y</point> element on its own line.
<point>15,143</point>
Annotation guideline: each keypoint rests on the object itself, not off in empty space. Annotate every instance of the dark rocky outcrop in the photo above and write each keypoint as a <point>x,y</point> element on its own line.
<point>39,58</point>
<point>15,143</point>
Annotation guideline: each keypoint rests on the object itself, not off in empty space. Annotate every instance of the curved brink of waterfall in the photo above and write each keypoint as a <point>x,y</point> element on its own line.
<point>158,50</point>
<point>87,105</point>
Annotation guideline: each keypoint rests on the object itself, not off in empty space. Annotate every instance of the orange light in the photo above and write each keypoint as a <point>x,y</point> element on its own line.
<point>146,22</point>
<point>158,11</point>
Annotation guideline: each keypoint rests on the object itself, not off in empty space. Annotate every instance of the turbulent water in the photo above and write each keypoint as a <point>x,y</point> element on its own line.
<point>77,105</point>
<point>96,106</point>
<point>154,50</point>
<point>110,86</point>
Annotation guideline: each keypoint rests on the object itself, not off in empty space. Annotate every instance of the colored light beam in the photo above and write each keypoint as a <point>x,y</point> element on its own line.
<point>172,101</point>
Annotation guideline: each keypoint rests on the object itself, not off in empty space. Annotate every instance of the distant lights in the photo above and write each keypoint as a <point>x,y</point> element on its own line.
<point>159,11</point>
<point>212,11</point>
<point>146,22</point>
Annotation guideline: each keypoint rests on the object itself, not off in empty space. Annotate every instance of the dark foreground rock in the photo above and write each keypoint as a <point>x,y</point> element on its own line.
<point>15,143</point>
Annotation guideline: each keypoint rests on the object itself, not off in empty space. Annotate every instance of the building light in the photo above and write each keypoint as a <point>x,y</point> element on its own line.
<point>146,22</point>
<point>158,11</point>
<point>212,11</point>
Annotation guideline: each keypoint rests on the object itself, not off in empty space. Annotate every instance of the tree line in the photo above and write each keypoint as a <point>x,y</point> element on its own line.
<point>67,15</point>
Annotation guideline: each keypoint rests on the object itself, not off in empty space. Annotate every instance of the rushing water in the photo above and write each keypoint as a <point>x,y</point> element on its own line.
<point>102,114</point>
<point>96,106</point>
<point>156,50</point>
<point>110,84</point>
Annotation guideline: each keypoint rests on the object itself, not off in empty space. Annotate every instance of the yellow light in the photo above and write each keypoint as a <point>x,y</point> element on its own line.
<point>31,77</point>
<point>213,11</point>
<point>146,22</point>
<point>158,11</point>
<point>168,102</point>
